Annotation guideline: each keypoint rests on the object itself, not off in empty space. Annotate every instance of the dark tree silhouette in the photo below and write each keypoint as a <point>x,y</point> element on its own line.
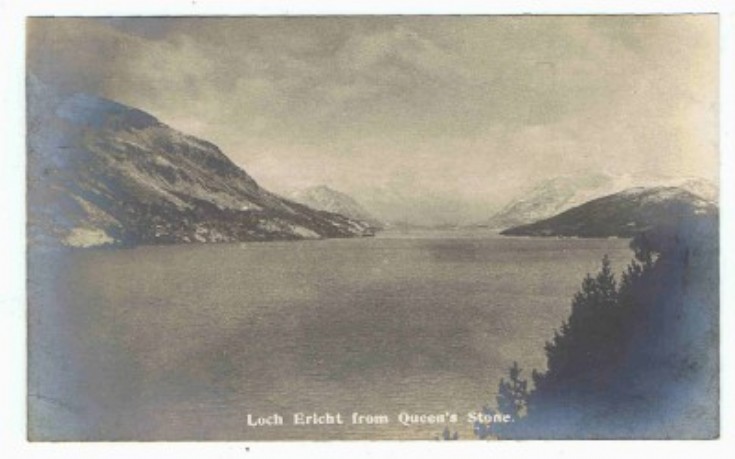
<point>512,399</point>
<point>634,358</point>
<point>513,394</point>
<point>584,351</point>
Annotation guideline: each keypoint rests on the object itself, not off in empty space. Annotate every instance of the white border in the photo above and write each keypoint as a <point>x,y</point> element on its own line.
<point>12,243</point>
<point>332,7</point>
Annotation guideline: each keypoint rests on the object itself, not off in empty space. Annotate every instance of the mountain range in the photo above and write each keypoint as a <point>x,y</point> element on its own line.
<point>559,194</point>
<point>103,173</point>
<point>623,214</point>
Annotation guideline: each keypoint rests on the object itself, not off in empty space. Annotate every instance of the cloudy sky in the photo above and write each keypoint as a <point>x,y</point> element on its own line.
<point>433,118</point>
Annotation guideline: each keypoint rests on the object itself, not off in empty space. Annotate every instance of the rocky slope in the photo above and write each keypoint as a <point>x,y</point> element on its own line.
<point>102,173</point>
<point>324,198</point>
<point>622,214</point>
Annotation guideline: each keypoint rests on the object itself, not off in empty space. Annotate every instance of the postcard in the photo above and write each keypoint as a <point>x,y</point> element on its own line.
<point>383,227</point>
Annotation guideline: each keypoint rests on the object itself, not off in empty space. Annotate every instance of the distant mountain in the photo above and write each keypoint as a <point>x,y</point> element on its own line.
<point>324,198</point>
<point>551,197</point>
<point>622,214</point>
<point>556,195</point>
<point>102,173</point>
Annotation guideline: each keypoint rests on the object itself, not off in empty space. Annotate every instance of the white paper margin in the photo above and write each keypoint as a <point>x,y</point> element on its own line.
<point>12,235</point>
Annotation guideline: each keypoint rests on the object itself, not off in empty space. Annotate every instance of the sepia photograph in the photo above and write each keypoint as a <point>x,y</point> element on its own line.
<point>377,227</point>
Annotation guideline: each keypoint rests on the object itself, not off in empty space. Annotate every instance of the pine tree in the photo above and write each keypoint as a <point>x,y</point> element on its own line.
<point>584,344</point>
<point>621,343</point>
<point>513,394</point>
<point>512,399</point>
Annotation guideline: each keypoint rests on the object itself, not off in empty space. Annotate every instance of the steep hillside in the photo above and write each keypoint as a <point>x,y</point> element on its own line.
<point>102,173</point>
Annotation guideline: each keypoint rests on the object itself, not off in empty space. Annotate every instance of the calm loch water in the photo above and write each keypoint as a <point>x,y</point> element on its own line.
<point>184,342</point>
